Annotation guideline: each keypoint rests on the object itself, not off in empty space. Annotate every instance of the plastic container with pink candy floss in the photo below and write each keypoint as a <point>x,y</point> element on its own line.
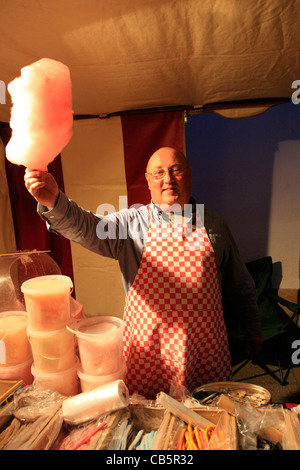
<point>64,382</point>
<point>100,344</point>
<point>47,300</point>
<point>17,372</point>
<point>89,382</point>
<point>52,351</point>
<point>15,351</point>
<point>14,345</point>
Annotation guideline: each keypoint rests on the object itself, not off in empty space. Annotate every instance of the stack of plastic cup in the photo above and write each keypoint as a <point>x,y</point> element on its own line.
<point>100,345</point>
<point>15,351</point>
<point>47,300</point>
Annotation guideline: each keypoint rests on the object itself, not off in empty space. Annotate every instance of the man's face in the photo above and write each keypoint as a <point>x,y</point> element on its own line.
<point>170,189</point>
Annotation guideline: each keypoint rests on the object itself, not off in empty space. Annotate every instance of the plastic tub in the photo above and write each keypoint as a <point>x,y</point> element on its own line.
<point>14,345</point>
<point>89,382</point>
<point>17,372</point>
<point>100,344</point>
<point>52,351</point>
<point>47,300</point>
<point>64,382</point>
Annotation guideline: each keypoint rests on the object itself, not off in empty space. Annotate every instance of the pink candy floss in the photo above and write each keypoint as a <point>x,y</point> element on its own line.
<point>41,116</point>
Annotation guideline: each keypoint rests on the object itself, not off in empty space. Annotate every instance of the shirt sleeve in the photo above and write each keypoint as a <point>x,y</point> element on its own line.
<point>238,287</point>
<point>82,226</point>
<point>112,236</point>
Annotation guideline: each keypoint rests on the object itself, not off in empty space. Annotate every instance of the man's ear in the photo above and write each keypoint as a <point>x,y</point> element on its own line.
<point>148,179</point>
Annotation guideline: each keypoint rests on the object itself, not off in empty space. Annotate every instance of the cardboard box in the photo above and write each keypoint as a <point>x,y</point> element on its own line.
<point>149,419</point>
<point>7,390</point>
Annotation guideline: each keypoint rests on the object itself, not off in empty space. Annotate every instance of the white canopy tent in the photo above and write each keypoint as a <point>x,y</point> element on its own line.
<point>139,54</point>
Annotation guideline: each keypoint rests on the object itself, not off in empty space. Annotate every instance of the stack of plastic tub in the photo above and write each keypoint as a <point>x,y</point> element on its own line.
<point>15,351</point>
<point>100,345</point>
<point>47,300</point>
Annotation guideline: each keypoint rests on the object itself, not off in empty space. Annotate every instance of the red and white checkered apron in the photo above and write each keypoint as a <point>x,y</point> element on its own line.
<point>173,320</point>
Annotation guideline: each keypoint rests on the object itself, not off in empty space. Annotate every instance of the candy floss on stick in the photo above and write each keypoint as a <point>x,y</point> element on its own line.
<point>41,116</point>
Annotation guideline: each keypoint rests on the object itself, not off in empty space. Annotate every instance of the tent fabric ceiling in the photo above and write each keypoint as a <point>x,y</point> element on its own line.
<point>140,54</point>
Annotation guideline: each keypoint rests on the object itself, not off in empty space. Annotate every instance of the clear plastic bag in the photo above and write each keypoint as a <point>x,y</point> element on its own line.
<point>37,420</point>
<point>80,437</point>
<point>32,402</point>
<point>255,423</point>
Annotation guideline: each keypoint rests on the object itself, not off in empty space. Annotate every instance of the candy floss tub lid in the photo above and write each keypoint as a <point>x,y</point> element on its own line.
<point>48,283</point>
<point>84,328</point>
<point>13,313</point>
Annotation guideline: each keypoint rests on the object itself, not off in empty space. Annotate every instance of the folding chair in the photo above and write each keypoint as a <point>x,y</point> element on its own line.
<point>275,322</point>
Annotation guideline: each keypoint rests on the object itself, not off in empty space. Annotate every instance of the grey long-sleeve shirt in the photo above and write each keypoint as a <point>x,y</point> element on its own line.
<point>122,235</point>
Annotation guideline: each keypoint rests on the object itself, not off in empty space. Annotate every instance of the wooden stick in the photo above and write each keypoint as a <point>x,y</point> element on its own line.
<point>103,433</point>
<point>293,436</point>
<point>159,438</point>
<point>182,412</point>
<point>21,253</point>
<point>170,430</point>
<point>123,426</point>
<point>40,438</point>
<point>224,441</point>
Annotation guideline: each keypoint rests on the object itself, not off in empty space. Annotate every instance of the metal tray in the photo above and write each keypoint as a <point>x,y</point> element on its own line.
<point>258,396</point>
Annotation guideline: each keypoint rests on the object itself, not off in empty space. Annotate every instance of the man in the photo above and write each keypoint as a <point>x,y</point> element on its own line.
<point>174,273</point>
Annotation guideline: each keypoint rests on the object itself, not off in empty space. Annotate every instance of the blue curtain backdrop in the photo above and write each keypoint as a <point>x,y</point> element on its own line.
<point>233,163</point>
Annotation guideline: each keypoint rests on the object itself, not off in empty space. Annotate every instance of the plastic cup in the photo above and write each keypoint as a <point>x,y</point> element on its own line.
<point>17,372</point>
<point>52,351</point>
<point>89,382</point>
<point>47,300</point>
<point>100,344</point>
<point>64,382</point>
<point>14,345</point>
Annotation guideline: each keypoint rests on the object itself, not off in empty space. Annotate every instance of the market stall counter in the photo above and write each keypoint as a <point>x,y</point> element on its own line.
<point>107,418</point>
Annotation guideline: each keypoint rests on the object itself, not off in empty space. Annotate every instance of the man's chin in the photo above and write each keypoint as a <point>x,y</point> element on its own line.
<point>171,205</point>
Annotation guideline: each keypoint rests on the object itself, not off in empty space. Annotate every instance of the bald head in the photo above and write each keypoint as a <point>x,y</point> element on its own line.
<point>170,189</point>
<point>162,153</point>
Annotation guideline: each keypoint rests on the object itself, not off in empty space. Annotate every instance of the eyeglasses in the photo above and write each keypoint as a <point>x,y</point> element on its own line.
<point>159,174</point>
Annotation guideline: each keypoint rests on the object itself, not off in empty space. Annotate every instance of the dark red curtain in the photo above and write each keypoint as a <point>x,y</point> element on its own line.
<point>30,230</point>
<point>143,134</point>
